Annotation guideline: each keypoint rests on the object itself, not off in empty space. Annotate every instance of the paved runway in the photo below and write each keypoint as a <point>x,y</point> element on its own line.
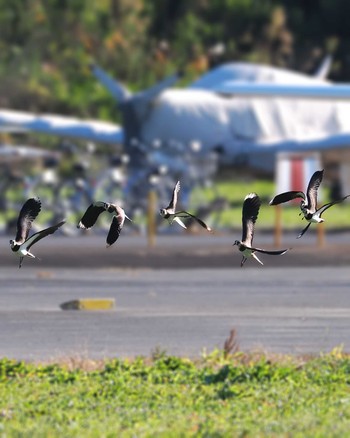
<point>183,311</point>
<point>177,251</point>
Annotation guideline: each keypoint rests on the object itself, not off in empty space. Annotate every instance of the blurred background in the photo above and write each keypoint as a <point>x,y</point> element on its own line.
<point>114,100</point>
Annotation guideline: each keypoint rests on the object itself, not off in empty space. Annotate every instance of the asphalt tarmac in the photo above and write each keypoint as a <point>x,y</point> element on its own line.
<point>184,250</point>
<point>182,296</point>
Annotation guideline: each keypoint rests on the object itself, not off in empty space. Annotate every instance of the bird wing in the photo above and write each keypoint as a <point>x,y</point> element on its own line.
<point>273,252</point>
<point>172,206</point>
<point>312,189</point>
<point>92,213</point>
<point>115,229</point>
<point>30,210</point>
<point>286,196</point>
<point>250,213</point>
<point>326,206</point>
<point>185,214</point>
<point>41,234</point>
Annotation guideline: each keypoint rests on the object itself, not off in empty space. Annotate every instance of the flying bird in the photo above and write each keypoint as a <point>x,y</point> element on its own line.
<point>308,203</point>
<point>22,244</point>
<point>93,212</point>
<point>250,211</point>
<point>172,215</point>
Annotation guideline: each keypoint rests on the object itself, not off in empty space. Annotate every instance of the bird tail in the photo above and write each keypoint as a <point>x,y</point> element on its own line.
<point>256,258</point>
<point>179,221</point>
<point>304,231</point>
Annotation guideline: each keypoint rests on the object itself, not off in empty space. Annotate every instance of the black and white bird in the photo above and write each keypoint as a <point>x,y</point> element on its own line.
<point>308,203</point>
<point>172,215</point>
<point>93,212</point>
<point>22,243</point>
<point>250,211</point>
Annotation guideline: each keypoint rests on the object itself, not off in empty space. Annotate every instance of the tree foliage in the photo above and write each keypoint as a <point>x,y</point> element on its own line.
<point>46,46</point>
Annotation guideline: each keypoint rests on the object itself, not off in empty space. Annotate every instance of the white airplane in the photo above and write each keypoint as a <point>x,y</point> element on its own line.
<point>229,107</point>
<point>247,111</point>
<point>239,107</point>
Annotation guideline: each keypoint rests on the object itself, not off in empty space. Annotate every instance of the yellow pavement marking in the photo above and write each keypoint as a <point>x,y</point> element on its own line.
<point>89,304</point>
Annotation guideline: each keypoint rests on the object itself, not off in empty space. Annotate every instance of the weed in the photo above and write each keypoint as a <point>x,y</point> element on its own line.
<point>231,345</point>
<point>225,393</point>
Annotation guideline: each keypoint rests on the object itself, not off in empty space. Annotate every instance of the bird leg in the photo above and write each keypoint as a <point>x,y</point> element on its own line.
<point>244,259</point>
<point>29,254</point>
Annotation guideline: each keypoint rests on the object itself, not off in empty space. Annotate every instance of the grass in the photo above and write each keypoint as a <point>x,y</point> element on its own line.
<point>218,395</point>
<point>235,191</point>
<point>230,216</point>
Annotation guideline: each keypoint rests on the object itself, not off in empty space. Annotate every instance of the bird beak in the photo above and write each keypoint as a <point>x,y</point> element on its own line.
<point>127,217</point>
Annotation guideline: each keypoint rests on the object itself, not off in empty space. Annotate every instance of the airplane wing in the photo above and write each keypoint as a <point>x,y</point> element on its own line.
<point>255,80</point>
<point>23,152</point>
<point>103,132</point>
<point>333,141</point>
<point>304,91</point>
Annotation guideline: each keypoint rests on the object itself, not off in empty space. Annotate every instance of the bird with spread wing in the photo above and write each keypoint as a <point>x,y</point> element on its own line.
<point>250,211</point>
<point>93,212</point>
<point>172,215</point>
<point>308,203</point>
<point>22,244</point>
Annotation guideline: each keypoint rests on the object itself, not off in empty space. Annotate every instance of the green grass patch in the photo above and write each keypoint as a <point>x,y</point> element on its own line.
<point>235,191</point>
<point>218,395</point>
<point>229,217</point>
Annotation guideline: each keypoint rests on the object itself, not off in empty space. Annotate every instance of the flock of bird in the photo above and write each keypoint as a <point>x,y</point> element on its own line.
<point>22,244</point>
